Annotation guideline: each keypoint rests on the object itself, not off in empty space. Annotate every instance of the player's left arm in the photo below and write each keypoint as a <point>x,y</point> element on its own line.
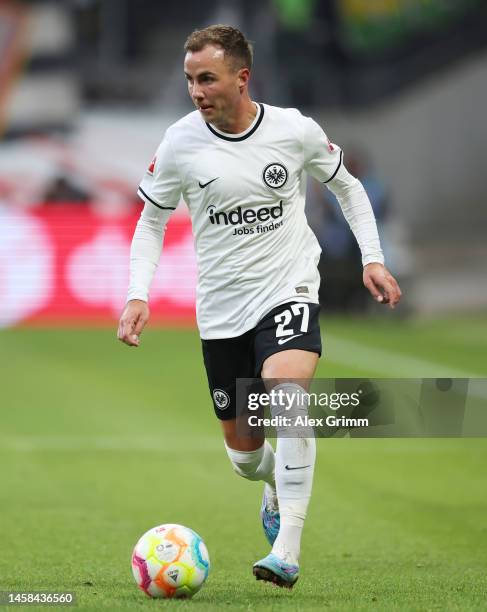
<point>381,284</point>
<point>357,210</point>
<point>324,161</point>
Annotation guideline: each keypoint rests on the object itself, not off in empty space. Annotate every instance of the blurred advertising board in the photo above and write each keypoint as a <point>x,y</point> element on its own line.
<point>67,264</point>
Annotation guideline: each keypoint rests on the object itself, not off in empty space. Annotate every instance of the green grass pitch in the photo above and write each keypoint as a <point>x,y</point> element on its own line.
<point>99,442</point>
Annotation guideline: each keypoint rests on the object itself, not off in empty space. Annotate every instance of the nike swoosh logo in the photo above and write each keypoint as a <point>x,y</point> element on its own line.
<point>203,185</point>
<point>284,340</point>
<point>300,467</point>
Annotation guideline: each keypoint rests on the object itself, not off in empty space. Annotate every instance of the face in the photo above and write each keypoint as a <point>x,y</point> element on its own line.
<point>213,84</point>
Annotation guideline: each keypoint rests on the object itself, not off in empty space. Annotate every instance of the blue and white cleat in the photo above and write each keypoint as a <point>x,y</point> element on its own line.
<point>272,569</point>
<point>271,519</point>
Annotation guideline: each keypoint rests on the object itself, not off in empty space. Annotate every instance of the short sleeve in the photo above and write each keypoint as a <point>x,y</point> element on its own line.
<point>161,184</point>
<point>322,158</point>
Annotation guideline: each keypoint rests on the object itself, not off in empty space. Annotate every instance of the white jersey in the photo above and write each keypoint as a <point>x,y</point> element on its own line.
<point>246,195</point>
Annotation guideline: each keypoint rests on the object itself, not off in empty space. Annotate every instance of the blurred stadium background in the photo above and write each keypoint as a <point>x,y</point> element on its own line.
<point>87,88</point>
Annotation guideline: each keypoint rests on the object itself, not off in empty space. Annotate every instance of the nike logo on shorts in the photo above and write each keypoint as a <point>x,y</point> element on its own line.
<point>203,185</point>
<point>284,340</point>
<point>300,467</point>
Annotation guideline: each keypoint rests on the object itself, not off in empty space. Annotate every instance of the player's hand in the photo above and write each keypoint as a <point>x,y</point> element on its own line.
<point>381,284</point>
<point>134,317</point>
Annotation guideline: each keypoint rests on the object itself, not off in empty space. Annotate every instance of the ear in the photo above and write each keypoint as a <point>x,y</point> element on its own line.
<point>243,77</point>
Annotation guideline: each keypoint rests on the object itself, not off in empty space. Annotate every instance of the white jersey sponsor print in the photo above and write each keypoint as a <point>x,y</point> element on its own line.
<point>246,196</point>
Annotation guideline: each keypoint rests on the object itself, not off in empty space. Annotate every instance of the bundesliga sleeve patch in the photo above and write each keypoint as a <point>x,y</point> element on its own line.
<point>152,165</point>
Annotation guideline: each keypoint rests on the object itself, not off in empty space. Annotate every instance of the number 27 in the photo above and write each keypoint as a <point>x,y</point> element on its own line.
<point>284,318</point>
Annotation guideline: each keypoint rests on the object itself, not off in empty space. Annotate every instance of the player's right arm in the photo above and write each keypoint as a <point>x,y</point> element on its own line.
<point>132,321</point>
<point>160,189</point>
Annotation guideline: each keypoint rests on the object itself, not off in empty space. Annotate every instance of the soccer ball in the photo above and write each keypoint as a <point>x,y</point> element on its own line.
<point>170,561</point>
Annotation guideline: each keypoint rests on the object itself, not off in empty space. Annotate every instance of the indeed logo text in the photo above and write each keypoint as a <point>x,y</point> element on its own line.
<point>237,216</point>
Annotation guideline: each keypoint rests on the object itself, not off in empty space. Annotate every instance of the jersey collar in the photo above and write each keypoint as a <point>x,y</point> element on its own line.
<point>243,135</point>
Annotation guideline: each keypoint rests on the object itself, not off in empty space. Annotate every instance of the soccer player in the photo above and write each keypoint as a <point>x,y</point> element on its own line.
<point>241,168</point>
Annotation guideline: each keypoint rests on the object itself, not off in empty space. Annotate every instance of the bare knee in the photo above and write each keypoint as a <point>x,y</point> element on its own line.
<point>235,440</point>
<point>293,364</point>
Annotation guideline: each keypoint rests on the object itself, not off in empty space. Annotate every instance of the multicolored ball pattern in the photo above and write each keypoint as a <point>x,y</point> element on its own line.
<point>170,561</point>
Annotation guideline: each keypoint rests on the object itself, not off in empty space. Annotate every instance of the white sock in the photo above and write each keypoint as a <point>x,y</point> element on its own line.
<point>295,460</point>
<point>256,465</point>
